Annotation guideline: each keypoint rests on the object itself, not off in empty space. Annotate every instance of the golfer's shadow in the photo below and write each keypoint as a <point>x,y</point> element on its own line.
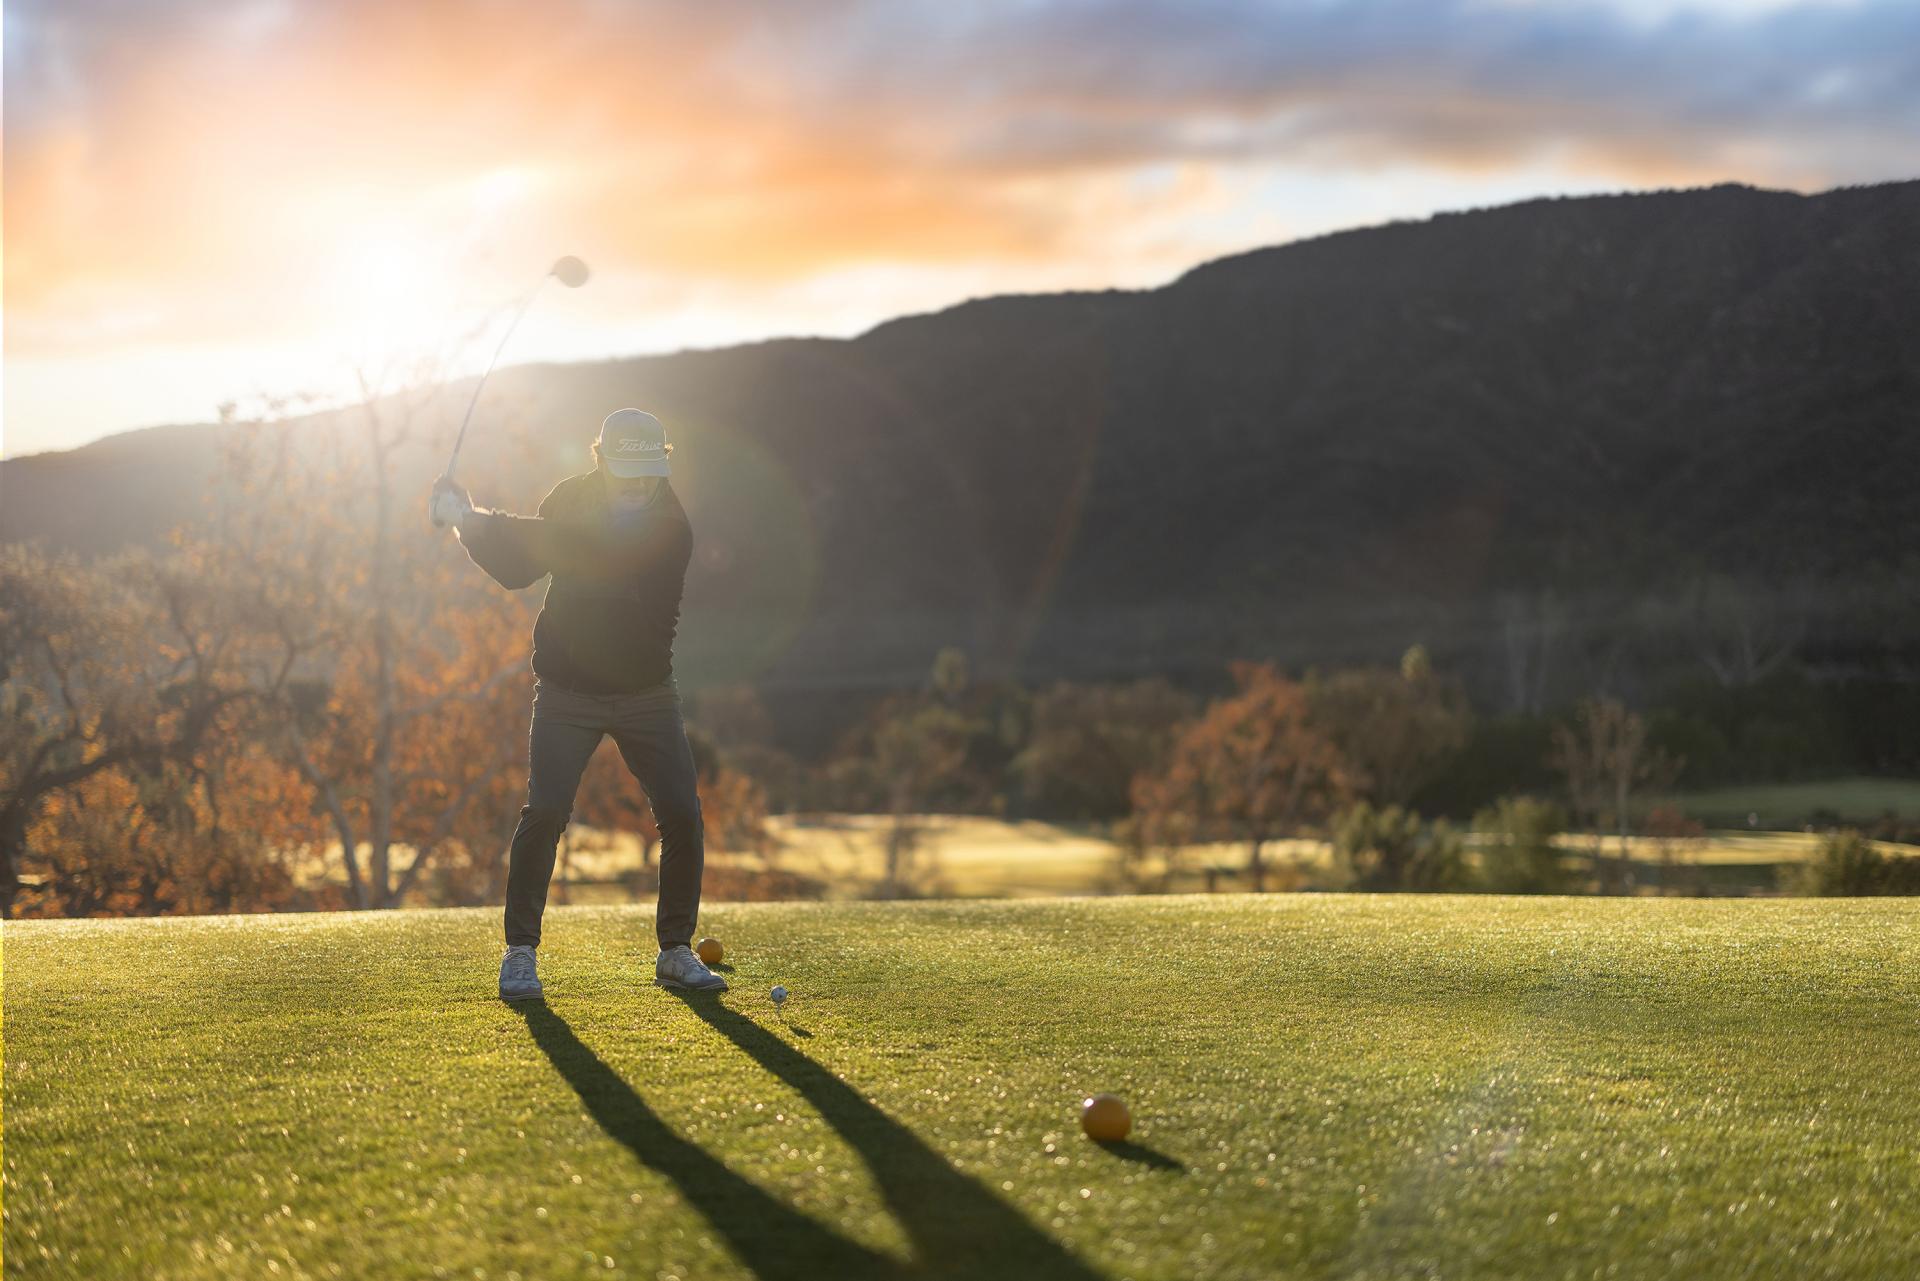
<point>957,1228</point>
<point>772,1238</point>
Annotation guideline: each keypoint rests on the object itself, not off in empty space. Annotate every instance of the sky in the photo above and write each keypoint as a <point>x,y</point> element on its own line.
<point>245,201</point>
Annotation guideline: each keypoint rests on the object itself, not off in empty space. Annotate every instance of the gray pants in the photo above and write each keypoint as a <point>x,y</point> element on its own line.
<point>647,729</point>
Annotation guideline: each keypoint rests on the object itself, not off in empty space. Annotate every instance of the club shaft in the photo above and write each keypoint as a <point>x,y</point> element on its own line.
<point>480,386</point>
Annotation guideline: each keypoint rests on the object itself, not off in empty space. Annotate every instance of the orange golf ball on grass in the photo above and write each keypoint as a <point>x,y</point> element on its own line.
<point>1105,1118</point>
<point>709,951</point>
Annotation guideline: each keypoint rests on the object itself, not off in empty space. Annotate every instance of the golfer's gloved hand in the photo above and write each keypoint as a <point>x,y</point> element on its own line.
<point>449,504</point>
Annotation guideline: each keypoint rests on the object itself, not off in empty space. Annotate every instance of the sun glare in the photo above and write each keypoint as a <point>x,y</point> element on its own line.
<point>394,299</point>
<point>497,190</point>
<point>416,286</point>
<point>388,275</point>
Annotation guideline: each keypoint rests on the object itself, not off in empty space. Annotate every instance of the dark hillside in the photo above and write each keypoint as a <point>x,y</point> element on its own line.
<point>1565,410</point>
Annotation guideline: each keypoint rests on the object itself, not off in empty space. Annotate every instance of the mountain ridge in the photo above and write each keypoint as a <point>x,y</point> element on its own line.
<point>1318,452</point>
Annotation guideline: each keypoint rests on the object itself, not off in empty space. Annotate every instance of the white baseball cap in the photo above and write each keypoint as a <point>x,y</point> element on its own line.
<point>634,443</point>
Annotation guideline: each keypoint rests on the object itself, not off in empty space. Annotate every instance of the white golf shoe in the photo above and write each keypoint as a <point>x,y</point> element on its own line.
<point>679,967</point>
<point>519,980</point>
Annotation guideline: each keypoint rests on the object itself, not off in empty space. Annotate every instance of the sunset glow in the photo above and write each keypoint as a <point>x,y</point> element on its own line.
<point>207,200</point>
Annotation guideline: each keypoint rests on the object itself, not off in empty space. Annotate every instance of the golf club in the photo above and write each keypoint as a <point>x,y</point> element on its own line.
<point>569,271</point>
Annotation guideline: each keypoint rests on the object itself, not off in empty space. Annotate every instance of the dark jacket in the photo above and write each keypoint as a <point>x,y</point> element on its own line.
<point>612,608</point>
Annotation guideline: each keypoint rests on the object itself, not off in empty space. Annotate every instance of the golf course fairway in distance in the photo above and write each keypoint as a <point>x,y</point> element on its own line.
<point>1333,1086</point>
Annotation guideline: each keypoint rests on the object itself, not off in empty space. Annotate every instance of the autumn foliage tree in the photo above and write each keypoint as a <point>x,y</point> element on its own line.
<point>1088,742</point>
<point>1253,768</point>
<point>733,802</point>
<point>307,699</point>
<point>609,800</point>
<point>1396,728</point>
<point>733,807</point>
<point>148,838</point>
<point>404,712</point>
<point>135,667</point>
<point>736,722</point>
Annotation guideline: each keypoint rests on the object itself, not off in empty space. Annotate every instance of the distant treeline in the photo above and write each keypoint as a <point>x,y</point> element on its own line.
<point>300,703</point>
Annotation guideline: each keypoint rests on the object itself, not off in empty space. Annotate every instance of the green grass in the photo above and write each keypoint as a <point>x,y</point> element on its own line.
<point>1855,800</point>
<point>1324,1086</point>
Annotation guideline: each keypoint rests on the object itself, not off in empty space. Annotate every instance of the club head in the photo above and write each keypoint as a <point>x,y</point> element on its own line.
<point>569,271</point>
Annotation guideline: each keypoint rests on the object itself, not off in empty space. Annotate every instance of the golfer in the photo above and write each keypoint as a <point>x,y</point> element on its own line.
<point>616,543</point>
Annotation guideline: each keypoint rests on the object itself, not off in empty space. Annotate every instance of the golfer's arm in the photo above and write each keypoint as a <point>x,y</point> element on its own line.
<point>511,549</point>
<point>518,551</point>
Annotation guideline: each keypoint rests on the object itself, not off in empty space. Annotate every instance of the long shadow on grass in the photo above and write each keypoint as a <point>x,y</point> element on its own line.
<point>958,1228</point>
<point>1140,1154</point>
<point>772,1238</point>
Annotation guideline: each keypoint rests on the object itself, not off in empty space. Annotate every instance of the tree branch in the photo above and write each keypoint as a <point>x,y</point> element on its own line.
<point>443,826</point>
<point>330,798</point>
<point>456,694</point>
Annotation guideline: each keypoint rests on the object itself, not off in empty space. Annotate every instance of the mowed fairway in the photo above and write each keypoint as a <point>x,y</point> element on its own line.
<point>1323,1086</point>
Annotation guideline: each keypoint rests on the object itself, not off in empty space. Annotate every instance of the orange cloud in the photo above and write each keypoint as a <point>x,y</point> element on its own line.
<point>219,170</point>
<point>755,141</point>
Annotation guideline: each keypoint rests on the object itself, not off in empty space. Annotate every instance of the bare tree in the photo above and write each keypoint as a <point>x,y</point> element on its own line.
<point>1606,758</point>
<point>1675,838</point>
<point>402,713</point>
<point>1530,627</point>
<point>913,753</point>
<point>1741,631</point>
